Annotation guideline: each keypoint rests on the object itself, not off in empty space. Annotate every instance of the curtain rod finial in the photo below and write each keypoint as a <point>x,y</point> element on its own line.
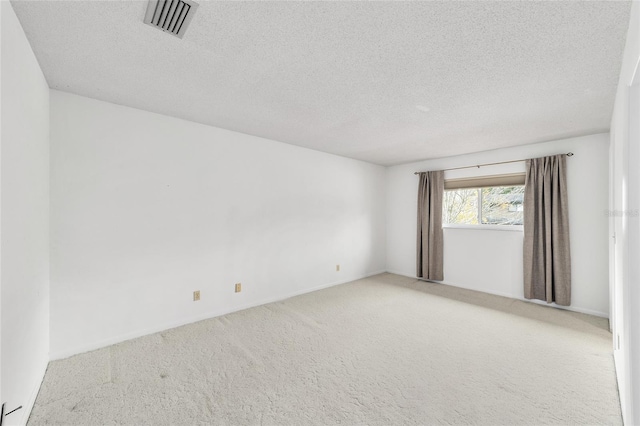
<point>570,154</point>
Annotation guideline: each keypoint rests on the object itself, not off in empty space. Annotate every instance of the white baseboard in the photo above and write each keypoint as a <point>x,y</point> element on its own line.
<point>390,271</point>
<point>189,320</point>
<point>511,296</point>
<point>25,412</point>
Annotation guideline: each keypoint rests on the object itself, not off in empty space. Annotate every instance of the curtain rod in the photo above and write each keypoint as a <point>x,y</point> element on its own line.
<point>568,154</point>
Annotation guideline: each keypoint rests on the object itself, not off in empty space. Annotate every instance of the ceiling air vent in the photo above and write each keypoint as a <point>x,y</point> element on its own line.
<point>171,16</point>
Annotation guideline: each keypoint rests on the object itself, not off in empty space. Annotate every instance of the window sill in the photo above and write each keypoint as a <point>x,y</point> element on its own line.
<point>512,228</point>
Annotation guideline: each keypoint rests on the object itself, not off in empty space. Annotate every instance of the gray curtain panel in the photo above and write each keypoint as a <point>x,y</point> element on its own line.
<point>429,247</point>
<point>547,258</point>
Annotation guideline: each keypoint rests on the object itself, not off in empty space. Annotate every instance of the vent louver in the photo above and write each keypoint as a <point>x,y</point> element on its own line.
<point>171,16</point>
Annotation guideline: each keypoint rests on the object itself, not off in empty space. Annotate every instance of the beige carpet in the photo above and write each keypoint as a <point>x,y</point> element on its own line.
<point>386,350</point>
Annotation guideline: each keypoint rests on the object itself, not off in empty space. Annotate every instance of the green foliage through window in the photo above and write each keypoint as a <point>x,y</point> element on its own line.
<point>500,205</point>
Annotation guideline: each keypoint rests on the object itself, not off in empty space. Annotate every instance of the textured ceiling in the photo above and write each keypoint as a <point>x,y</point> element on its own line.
<point>346,77</point>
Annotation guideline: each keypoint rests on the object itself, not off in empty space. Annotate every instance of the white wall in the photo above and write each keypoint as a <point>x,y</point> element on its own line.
<point>147,208</point>
<point>625,189</point>
<point>24,225</point>
<point>491,260</point>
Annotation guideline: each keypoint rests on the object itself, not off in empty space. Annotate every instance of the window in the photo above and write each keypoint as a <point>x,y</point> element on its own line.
<point>491,200</point>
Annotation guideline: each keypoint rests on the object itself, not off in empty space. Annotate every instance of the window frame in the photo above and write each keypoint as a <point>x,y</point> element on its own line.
<point>484,227</point>
<point>503,180</point>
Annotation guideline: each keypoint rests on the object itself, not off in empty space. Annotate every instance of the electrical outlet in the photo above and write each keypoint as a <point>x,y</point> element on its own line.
<point>238,287</point>
<point>337,268</point>
<point>196,295</point>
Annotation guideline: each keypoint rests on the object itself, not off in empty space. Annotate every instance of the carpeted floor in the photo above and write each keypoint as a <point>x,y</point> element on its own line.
<point>385,350</point>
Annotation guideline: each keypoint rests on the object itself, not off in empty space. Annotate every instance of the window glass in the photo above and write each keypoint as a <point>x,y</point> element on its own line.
<point>500,205</point>
<point>460,206</point>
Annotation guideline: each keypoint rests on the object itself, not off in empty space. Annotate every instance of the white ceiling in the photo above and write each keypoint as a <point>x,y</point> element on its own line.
<point>346,77</point>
